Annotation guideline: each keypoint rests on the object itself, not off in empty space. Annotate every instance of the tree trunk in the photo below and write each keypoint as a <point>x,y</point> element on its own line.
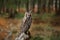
<point>44,6</point>
<point>27,5</point>
<point>39,6</point>
<point>58,11</point>
<point>33,4</point>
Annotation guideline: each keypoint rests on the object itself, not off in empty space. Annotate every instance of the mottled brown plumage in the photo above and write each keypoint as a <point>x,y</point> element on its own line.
<point>26,23</point>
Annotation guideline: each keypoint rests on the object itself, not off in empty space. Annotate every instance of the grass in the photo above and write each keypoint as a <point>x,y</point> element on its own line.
<point>55,37</point>
<point>36,37</point>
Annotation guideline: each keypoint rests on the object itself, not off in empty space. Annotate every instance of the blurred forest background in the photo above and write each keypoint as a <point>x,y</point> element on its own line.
<point>45,18</point>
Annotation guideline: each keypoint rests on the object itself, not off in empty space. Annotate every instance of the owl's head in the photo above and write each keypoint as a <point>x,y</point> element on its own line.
<point>27,14</point>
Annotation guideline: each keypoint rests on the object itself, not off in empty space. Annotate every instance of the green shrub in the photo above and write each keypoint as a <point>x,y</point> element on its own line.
<point>19,15</point>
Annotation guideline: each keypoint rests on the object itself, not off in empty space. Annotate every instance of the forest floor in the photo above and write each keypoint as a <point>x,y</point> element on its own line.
<point>39,27</point>
<point>13,25</point>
